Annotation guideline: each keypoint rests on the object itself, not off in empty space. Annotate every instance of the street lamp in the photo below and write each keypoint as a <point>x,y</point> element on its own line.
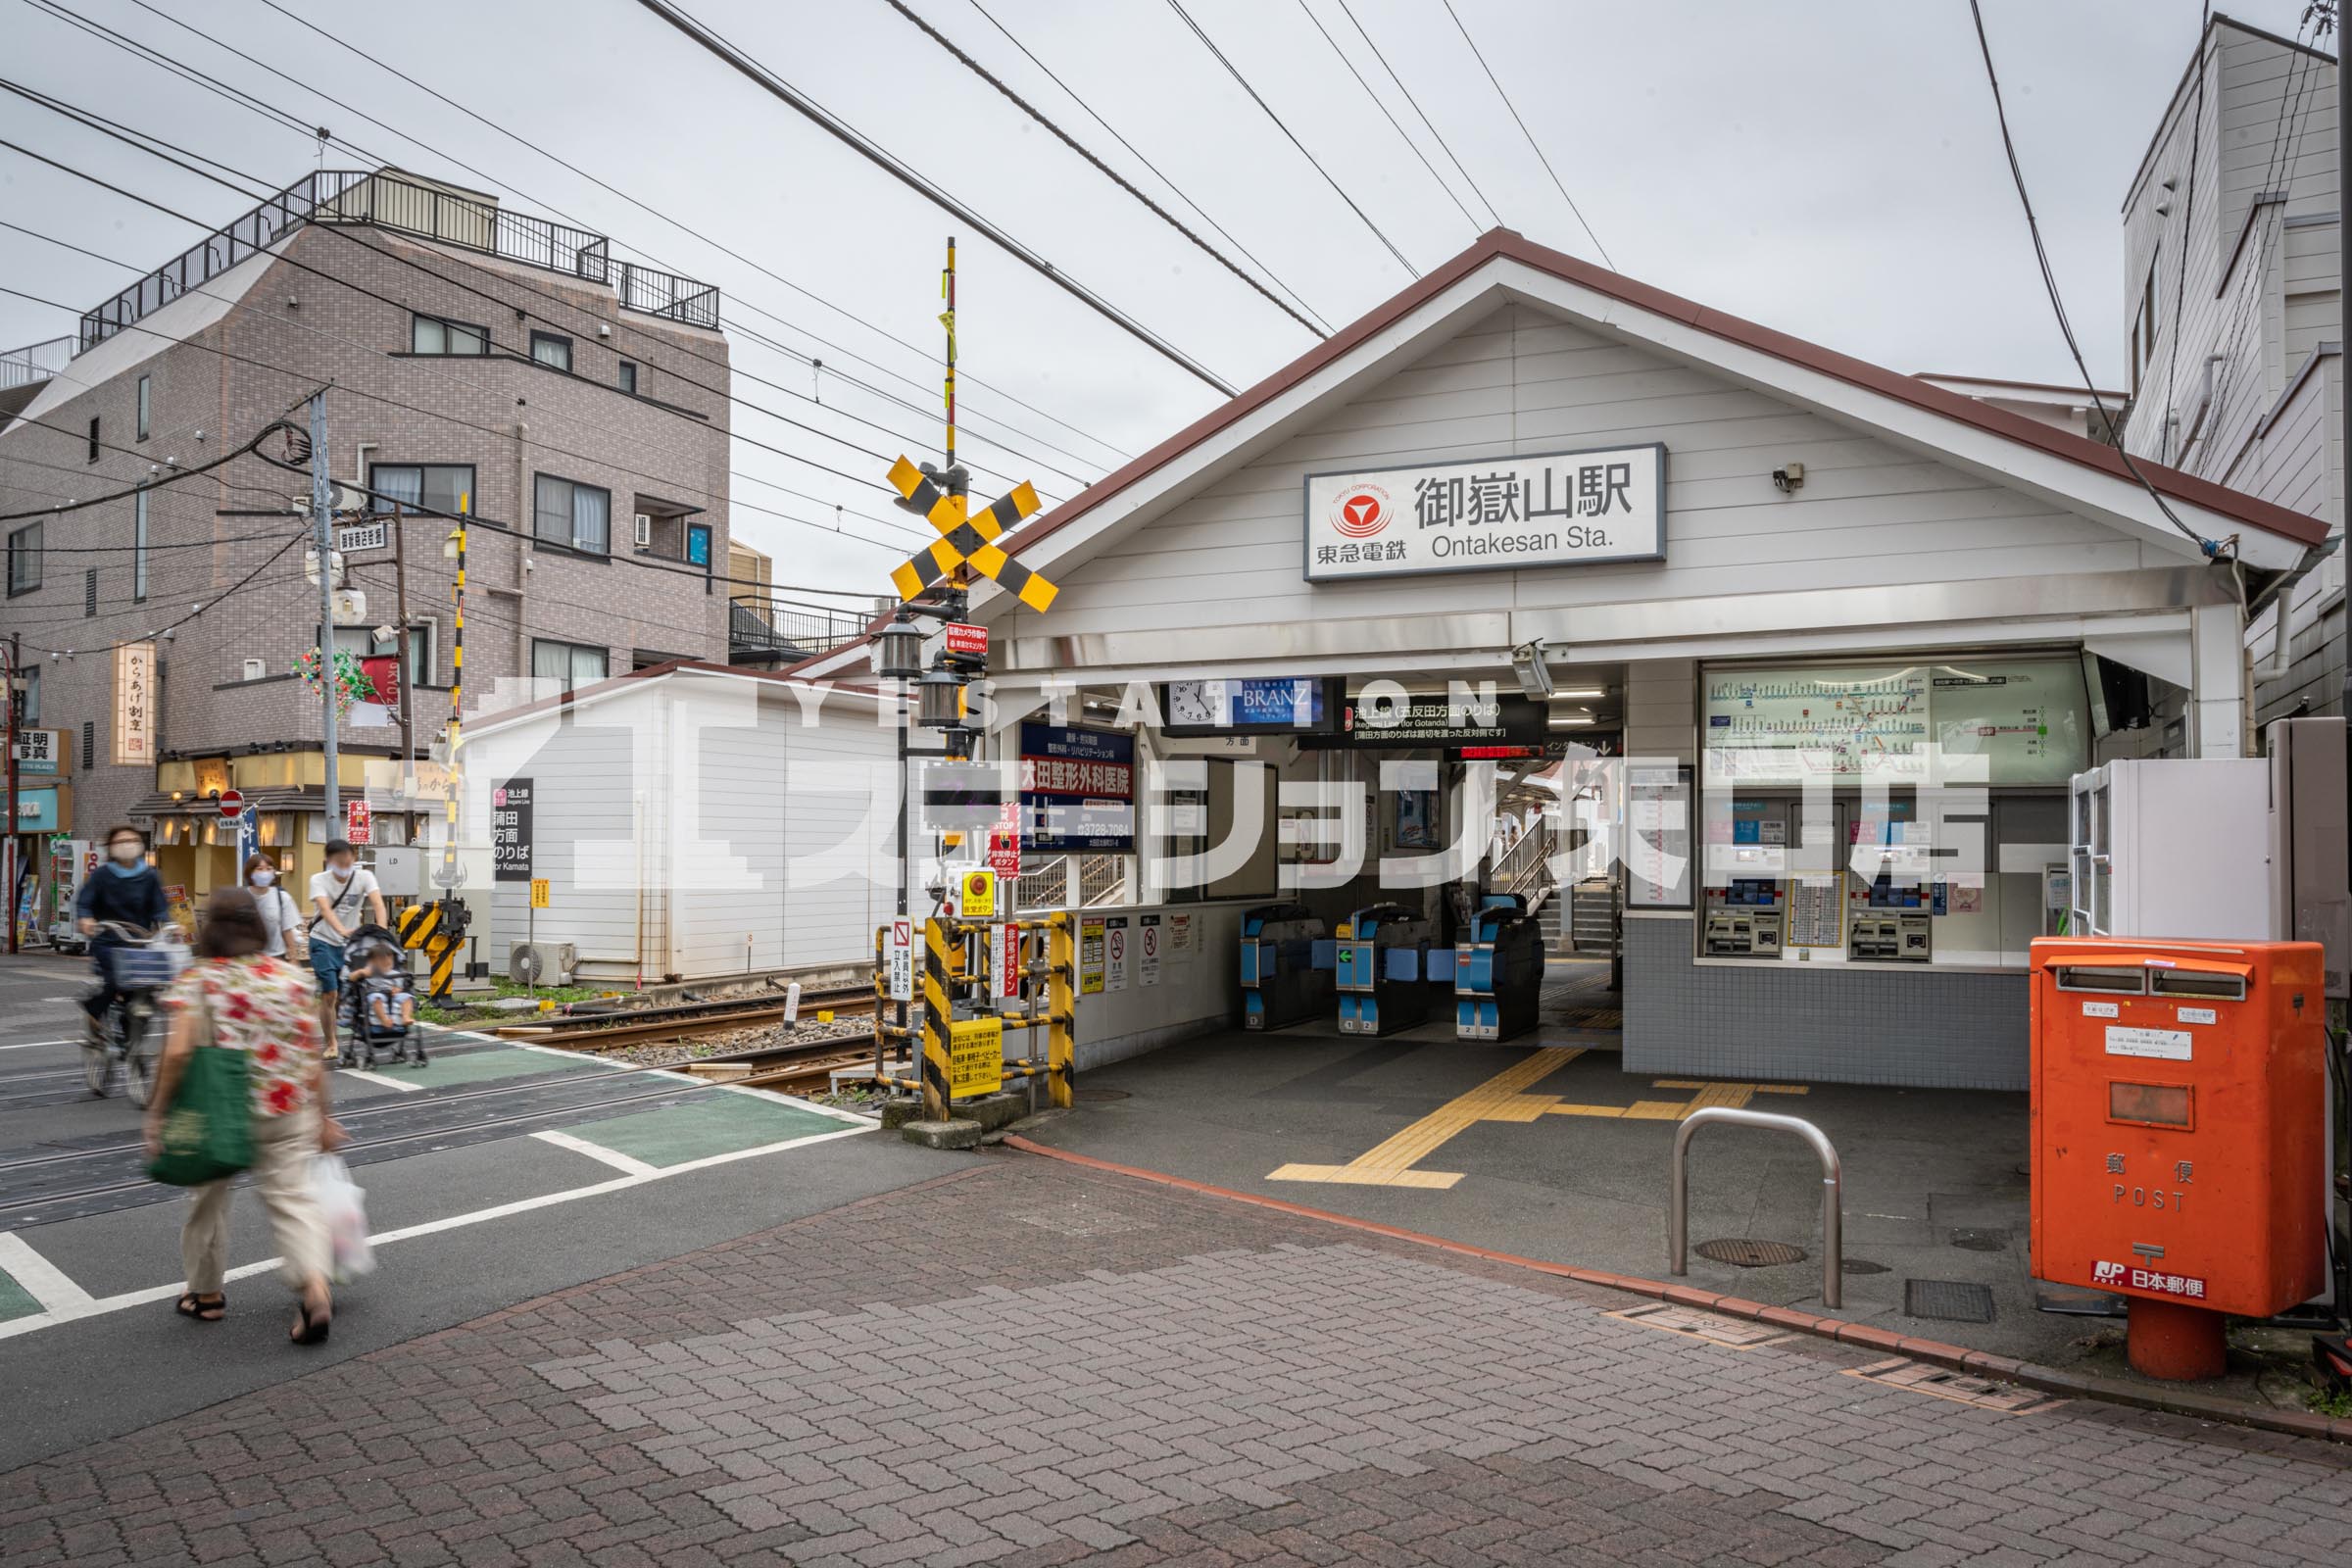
<point>899,649</point>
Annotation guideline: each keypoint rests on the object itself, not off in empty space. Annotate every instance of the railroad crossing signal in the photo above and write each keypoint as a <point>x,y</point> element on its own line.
<point>967,537</point>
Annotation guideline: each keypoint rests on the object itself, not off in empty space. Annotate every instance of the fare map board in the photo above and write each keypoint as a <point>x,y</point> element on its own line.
<point>2028,718</point>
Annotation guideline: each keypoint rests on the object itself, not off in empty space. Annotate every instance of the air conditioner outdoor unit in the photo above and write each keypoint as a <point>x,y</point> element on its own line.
<point>645,530</point>
<point>542,964</point>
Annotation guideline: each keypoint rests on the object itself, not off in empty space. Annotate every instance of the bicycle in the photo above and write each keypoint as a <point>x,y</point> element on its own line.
<point>141,966</point>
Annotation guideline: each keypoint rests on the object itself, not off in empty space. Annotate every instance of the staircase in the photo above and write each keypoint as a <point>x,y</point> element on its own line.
<point>1592,915</point>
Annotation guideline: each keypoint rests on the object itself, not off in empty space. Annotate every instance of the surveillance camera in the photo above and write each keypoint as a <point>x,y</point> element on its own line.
<point>1788,477</point>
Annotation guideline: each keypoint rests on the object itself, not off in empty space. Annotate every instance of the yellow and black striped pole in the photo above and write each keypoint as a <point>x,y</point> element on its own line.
<point>946,286</point>
<point>445,955</point>
<point>1062,1005</point>
<point>940,973</point>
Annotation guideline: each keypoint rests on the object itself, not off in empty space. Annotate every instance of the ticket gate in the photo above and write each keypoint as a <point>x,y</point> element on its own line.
<point>1281,981</point>
<point>1384,969</point>
<point>1498,970</point>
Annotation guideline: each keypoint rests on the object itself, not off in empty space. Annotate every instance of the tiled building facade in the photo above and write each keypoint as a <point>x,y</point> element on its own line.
<point>457,373</point>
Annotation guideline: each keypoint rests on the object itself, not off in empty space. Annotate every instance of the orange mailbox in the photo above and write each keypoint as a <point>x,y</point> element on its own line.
<point>2177,1115</point>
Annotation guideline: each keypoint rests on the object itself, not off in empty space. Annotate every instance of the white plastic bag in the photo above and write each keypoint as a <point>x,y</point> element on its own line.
<point>341,1202</point>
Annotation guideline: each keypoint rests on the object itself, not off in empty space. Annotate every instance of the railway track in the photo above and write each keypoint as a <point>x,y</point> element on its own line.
<point>596,1032</point>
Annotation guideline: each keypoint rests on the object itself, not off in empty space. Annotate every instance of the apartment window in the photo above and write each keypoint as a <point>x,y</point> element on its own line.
<point>698,543</point>
<point>138,547</point>
<point>435,486</point>
<point>575,664</point>
<point>146,404</point>
<point>25,559</point>
<point>550,350</point>
<point>435,334</point>
<point>93,438</point>
<point>578,517</point>
<point>629,376</point>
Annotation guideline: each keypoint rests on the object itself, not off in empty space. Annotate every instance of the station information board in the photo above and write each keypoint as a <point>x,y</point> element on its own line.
<point>2029,719</point>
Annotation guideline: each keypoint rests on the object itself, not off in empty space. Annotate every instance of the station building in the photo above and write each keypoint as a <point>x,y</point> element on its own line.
<point>1744,562</point>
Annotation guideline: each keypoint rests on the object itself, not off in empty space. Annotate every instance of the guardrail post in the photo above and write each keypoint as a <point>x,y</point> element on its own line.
<point>1832,1191</point>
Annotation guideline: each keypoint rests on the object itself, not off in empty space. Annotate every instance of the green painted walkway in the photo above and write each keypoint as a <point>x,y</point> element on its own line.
<point>14,1300</point>
<point>714,1123</point>
<point>443,1068</point>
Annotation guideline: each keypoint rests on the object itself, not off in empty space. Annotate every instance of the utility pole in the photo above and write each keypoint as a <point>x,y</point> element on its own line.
<point>323,515</point>
<point>2343,307</point>
<point>400,658</point>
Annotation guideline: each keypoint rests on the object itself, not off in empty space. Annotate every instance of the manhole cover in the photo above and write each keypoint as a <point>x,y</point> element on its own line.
<point>1951,1301</point>
<point>1742,1251</point>
<point>1083,1219</point>
<point>1977,1239</point>
<point>1101,1094</point>
<point>1863,1265</point>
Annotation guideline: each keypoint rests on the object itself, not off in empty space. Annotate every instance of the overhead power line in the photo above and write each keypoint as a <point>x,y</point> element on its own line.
<point>1160,174</point>
<point>267,110</point>
<point>1493,210</point>
<point>1573,209</point>
<point>849,136</point>
<point>2049,284</point>
<point>1108,173</point>
<point>1394,125</point>
<point>172,478</point>
<point>1233,70</point>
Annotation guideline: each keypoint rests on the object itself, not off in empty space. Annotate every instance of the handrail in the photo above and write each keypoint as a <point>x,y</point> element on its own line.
<point>1832,1191</point>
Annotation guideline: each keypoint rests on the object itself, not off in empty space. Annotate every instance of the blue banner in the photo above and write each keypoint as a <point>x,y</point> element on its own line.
<point>1077,789</point>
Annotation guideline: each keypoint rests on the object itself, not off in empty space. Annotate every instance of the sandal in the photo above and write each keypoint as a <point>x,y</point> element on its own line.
<point>203,1312</point>
<point>314,1330</point>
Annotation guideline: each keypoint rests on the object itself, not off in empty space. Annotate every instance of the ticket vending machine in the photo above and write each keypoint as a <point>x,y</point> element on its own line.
<point>2177,1146</point>
<point>1383,969</point>
<point>1281,982</point>
<point>1498,970</point>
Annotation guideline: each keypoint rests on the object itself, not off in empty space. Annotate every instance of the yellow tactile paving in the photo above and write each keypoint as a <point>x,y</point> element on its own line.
<point>1502,1098</point>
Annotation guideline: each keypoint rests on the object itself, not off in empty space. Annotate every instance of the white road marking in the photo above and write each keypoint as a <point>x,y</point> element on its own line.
<point>42,1280</point>
<point>89,1306</point>
<point>365,1077</point>
<point>27,1045</point>
<point>610,1156</point>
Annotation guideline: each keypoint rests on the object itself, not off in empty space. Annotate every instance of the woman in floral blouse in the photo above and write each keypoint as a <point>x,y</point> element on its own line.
<point>237,997</point>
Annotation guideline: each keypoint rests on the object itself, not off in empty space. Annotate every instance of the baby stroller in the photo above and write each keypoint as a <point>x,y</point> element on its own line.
<point>363,1036</point>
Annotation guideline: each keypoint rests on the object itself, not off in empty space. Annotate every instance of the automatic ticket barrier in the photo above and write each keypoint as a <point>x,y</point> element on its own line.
<point>1281,981</point>
<point>2178,1109</point>
<point>1498,970</point>
<point>1384,969</point>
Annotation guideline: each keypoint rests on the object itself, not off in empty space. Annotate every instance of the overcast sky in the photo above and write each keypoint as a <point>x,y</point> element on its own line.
<point>1829,168</point>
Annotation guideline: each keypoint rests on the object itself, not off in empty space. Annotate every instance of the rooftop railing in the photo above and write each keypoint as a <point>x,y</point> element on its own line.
<point>759,625</point>
<point>34,361</point>
<point>390,200</point>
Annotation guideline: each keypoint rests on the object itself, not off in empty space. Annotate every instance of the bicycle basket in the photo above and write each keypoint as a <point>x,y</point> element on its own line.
<point>144,968</point>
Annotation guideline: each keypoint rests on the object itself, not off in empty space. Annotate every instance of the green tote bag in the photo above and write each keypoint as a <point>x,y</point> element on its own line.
<point>208,1131</point>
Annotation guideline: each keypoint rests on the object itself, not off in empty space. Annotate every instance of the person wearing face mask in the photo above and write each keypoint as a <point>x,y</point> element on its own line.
<point>274,902</point>
<point>128,890</point>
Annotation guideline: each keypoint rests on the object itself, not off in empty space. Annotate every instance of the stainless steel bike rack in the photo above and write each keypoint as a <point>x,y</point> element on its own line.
<point>1833,1189</point>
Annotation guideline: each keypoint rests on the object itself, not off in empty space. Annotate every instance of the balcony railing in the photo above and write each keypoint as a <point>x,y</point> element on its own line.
<point>388,199</point>
<point>34,361</point>
<point>760,627</point>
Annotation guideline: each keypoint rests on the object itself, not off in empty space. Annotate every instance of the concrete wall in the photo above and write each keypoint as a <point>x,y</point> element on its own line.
<point>1922,1027</point>
<point>1197,991</point>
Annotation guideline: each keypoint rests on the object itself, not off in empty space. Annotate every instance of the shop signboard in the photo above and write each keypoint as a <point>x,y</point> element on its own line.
<point>1287,705</point>
<point>134,705</point>
<point>37,811</point>
<point>1077,788</point>
<point>39,751</point>
<point>1546,508</point>
<point>359,822</point>
<point>511,831</point>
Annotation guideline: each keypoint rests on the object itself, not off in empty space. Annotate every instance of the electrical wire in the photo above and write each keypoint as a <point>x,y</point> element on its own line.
<point>150,486</point>
<point>1235,72</point>
<point>1536,146</point>
<point>236,588</point>
<point>123,41</point>
<point>2049,283</point>
<point>784,92</point>
<point>1108,173</point>
<point>1492,210</point>
<point>1383,106</point>
<point>1073,95</point>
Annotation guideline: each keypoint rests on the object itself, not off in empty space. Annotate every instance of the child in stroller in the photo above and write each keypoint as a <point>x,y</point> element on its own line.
<point>379,1012</point>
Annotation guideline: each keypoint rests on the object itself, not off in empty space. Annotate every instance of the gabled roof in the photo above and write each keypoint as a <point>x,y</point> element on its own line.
<point>641,680</point>
<point>1502,245</point>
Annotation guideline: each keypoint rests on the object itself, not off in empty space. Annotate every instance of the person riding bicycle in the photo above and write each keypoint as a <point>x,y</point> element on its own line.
<point>125,891</point>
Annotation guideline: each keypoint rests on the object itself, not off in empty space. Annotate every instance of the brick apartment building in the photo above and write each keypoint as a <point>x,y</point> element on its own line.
<point>476,359</point>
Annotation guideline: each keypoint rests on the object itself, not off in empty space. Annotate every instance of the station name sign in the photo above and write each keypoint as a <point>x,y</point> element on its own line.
<point>1553,509</point>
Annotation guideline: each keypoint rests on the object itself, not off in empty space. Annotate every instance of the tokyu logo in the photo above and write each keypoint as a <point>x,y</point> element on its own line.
<point>1362,513</point>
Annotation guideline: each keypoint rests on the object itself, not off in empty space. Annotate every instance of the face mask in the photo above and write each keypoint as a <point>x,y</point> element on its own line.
<point>126,851</point>
<point>262,880</point>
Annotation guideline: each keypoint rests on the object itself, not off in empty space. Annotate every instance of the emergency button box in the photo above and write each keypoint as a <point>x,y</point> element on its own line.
<point>2177,1116</point>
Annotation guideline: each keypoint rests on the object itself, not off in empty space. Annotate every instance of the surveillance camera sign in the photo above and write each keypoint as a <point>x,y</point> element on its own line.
<point>1555,509</point>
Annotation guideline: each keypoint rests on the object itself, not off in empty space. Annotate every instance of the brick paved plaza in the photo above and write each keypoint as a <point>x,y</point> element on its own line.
<point>1021,1362</point>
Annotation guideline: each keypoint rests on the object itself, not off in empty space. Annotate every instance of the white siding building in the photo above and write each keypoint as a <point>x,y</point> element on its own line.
<point>2235,319</point>
<point>693,822</point>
